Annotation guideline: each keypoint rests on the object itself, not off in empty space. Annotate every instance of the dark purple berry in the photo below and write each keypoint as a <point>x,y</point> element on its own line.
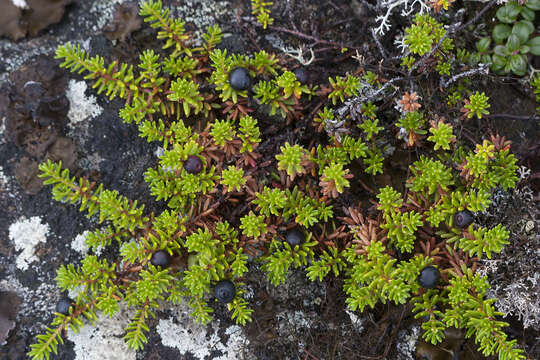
<point>429,277</point>
<point>463,219</point>
<point>63,306</point>
<point>294,237</point>
<point>160,258</point>
<point>193,164</point>
<point>239,79</point>
<point>301,75</point>
<point>225,291</point>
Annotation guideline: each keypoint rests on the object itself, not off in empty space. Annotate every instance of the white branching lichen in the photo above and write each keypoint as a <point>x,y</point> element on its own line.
<point>26,234</point>
<point>520,298</point>
<point>298,54</point>
<point>82,107</point>
<point>79,244</point>
<point>407,9</point>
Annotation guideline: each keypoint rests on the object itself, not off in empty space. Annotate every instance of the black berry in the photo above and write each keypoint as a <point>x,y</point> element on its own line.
<point>463,219</point>
<point>63,306</point>
<point>225,291</point>
<point>193,164</point>
<point>429,277</point>
<point>301,75</point>
<point>160,258</point>
<point>239,79</point>
<point>294,237</point>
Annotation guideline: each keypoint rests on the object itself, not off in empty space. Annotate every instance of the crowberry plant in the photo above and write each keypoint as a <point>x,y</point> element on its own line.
<point>294,211</point>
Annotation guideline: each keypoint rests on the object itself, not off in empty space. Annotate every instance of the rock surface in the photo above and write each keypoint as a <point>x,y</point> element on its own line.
<point>38,234</point>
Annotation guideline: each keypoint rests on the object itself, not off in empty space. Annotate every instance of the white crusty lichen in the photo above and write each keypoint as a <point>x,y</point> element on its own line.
<point>2,129</point>
<point>197,341</point>
<point>103,340</point>
<point>357,322</point>
<point>81,107</point>
<point>202,13</point>
<point>290,320</point>
<point>79,244</point>
<point>184,334</point>
<point>104,12</point>
<point>26,234</point>
<point>406,343</point>
<point>194,338</point>
<point>4,181</point>
<point>37,303</point>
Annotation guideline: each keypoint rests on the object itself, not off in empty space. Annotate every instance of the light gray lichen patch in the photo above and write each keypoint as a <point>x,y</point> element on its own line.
<point>513,273</point>
<point>26,234</point>
<point>520,296</point>
<point>2,130</point>
<point>202,13</point>
<point>82,107</point>
<point>90,161</point>
<point>293,323</point>
<point>186,335</point>
<point>103,341</point>
<point>356,321</point>
<point>19,54</point>
<point>79,244</point>
<point>406,343</point>
<point>39,302</point>
<point>105,11</point>
<point>5,185</point>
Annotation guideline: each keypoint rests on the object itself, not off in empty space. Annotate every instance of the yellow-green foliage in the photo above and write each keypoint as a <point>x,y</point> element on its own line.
<point>260,8</point>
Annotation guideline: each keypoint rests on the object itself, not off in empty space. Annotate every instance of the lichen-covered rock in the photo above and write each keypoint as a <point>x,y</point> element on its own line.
<point>36,108</point>
<point>126,20</point>
<point>36,101</point>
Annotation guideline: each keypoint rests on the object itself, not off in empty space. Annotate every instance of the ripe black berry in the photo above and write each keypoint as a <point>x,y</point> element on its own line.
<point>463,219</point>
<point>63,306</point>
<point>160,258</point>
<point>239,79</point>
<point>193,164</point>
<point>225,291</point>
<point>294,237</point>
<point>429,277</point>
<point>301,75</point>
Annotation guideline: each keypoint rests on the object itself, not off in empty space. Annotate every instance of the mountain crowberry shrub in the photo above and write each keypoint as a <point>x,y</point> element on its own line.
<point>203,175</point>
